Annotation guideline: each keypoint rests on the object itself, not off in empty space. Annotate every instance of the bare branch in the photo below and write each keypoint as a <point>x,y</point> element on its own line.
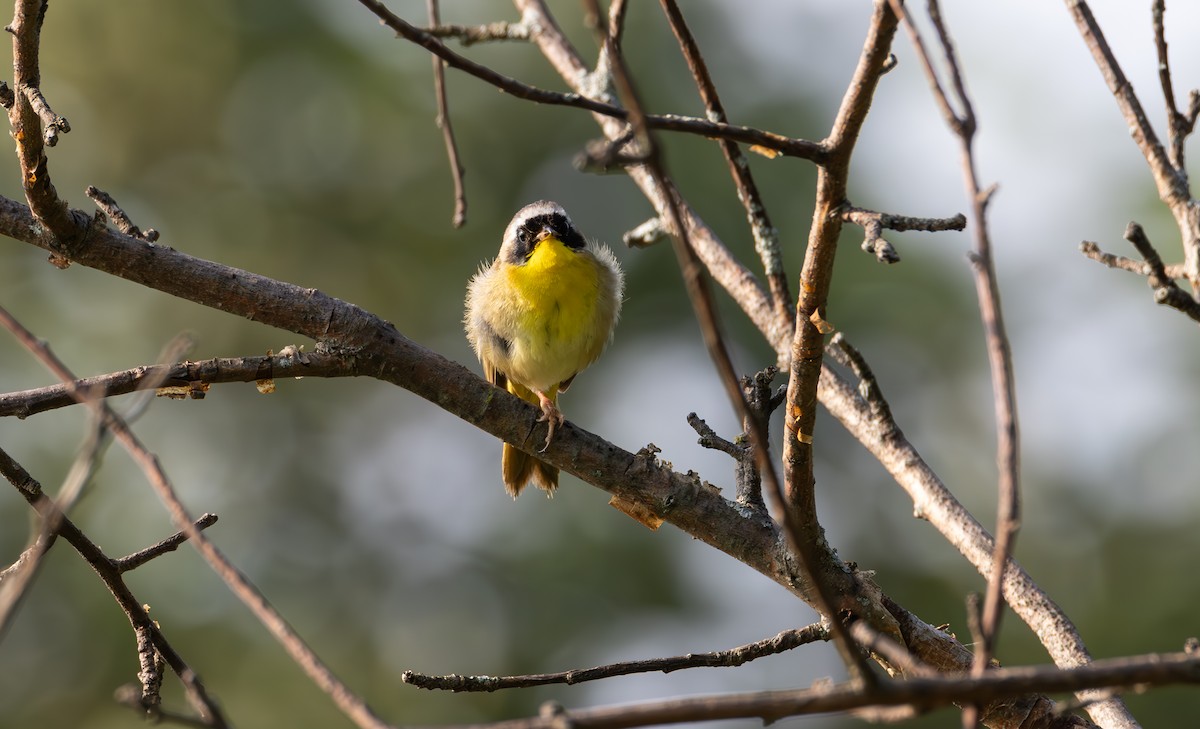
<point>443,122</point>
<point>710,439</point>
<point>923,694</point>
<point>1166,292</point>
<point>733,657</point>
<point>468,35</point>
<point>1171,181</point>
<point>181,376</point>
<point>1178,126</point>
<point>873,224</point>
<point>170,544</point>
<point>27,130</point>
<point>52,124</point>
<point>1092,250</point>
<point>668,122</point>
<point>807,346</point>
<point>31,490</point>
<point>999,350</point>
<point>113,211</point>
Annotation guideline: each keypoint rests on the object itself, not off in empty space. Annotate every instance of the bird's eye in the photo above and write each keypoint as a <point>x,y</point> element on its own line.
<point>523,236</point>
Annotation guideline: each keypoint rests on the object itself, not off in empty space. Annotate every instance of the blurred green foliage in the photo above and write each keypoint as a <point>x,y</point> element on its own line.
<point>298,142</point>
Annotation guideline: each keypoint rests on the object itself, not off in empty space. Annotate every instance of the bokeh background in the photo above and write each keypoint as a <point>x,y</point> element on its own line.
<point>298,141</point>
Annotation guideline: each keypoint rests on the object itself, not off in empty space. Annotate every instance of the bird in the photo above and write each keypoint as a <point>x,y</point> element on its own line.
<point>542,311</point>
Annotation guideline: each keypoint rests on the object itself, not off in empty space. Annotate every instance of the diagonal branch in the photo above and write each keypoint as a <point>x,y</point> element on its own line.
<point>817,563</point>
<point>106,569</point>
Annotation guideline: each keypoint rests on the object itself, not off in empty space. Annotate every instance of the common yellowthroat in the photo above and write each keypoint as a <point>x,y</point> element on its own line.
<point>543,310</point>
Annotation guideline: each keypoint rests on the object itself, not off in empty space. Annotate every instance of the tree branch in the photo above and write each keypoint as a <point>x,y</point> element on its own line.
<point>733,657</point>
<point>668,122</point>
<point>1170,181</point>
<point>27,130</point>
<point>923,694</point>
<point>181,376</point>
<point>170,544</point>
<point>106,569</point>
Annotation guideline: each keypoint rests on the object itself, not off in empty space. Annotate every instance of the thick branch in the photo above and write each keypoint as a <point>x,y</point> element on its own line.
<point>346,330</point>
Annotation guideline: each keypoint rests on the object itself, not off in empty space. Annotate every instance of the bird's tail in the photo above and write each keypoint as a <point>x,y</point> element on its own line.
<point>520,468</point>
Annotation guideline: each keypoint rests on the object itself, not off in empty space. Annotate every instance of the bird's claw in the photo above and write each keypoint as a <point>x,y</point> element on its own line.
<point>551,415</point>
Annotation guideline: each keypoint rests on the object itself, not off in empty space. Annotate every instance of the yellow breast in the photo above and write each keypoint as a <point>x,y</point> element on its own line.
<point>558,330</point>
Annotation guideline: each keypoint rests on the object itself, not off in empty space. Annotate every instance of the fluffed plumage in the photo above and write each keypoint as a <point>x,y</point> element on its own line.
<point>541,312</point>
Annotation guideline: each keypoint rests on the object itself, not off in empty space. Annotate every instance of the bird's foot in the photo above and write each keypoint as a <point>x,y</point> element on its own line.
<point>551,415</point>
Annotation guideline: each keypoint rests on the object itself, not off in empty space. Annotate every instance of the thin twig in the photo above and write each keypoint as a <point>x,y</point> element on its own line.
<point>1177,124</point>
<point>52,124</point>
<point>117,215</point>
<point>170,544</point>
<point>1090,249</point>
<point>733,657</point>
<point>710,439</point>
<point>443,122</point>
<point>848,356</point>
<point>892,651</point>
